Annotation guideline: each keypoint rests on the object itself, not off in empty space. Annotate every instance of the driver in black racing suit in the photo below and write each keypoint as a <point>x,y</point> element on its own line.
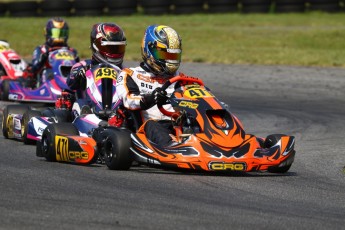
<point>56,35</point>
<point>140,87</point>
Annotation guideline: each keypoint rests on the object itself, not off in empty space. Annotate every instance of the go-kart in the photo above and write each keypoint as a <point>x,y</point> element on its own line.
<point>11,66</point>
<point>51,81</point>
<point>208,138</point>
<point>27,124</point>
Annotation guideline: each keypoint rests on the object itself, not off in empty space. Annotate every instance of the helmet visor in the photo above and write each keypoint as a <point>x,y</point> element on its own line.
<point>111,48</point>
<point>57,33</point>
<point>168,55</point>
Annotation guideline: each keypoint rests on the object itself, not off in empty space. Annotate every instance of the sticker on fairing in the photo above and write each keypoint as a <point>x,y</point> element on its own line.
<point>197,93</point>
<point>105,73</point>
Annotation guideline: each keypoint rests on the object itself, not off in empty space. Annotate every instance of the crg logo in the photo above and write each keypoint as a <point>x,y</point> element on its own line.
<point>221,166</point>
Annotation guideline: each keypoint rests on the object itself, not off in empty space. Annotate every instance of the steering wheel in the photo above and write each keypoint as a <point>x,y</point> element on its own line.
<point>181,78</point>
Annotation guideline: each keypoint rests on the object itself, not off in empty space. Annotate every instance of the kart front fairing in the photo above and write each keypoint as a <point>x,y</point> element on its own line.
<point>52,80</point>
<point>218,143</point>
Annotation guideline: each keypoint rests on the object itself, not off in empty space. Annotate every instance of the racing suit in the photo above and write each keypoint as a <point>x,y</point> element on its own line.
<point>77,81</point>
<point>132,86</point>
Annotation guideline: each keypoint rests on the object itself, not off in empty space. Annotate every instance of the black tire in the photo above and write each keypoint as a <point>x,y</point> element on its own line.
<point>322,1</point>
<point>256,2</point>
<point>256,8</point>
<point>11,109</point>
<point>5,90</point>
<point>56,8</point>
<point>188,7</point>
<point>116,149</point>
<point>289,2</point>
<point>330,8</point>
<point>48,138</point>
<point>25,120</point>
<point>156,7</point>
<point>88,7</point>
<point>222,6</point>
<point>121,7</point>
<point>3,8</point>
<point>113,4</point>
<point>289,8</point>
<point>23,8</point>
<point>270,141</point>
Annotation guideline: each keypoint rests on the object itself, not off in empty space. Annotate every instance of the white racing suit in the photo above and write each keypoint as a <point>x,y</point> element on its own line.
<point>131,86</point>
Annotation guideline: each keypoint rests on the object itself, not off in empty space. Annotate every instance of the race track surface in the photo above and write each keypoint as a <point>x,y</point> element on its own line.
<point>308,103</point>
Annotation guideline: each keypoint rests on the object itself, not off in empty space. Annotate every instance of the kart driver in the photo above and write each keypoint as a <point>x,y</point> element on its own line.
<point>108,45</point>
<point>56,33</point>
<point>140,87</point>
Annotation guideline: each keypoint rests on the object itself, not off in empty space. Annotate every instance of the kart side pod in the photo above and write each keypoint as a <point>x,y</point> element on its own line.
<point>61,142</point>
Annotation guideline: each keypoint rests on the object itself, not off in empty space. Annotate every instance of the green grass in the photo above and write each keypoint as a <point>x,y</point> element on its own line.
<point>310,39</point>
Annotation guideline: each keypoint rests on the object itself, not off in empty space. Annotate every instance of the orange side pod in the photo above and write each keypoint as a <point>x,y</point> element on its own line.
<point>75,149</point>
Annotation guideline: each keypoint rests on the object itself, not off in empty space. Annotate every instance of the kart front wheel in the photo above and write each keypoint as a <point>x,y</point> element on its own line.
<point>270,141</point>
<point>116,149</point>
<point>25,125</point>
<point>47,145</point>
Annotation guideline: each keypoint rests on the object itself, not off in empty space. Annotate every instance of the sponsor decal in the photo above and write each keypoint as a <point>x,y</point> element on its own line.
<point>119,79</point>
<point>61,148</point>
<point>197,93</point>
<point>62,152</point>
<point>17,124</point>
<point>64,55</point>
<point>222,166</point>
<point>105,73</point>
<point>188,104</point>
<point>13,97</point>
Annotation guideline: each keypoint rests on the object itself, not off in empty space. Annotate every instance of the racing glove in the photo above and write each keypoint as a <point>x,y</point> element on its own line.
<point>80,73</point>
<point>158,96</point>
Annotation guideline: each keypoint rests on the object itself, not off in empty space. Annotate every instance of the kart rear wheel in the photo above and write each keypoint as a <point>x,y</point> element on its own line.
<point>116,149</point>
<point>25,121</point>
<point>270,141</point>
<point>48,138</point>
<point>5,90</point>
<point>11,109</point>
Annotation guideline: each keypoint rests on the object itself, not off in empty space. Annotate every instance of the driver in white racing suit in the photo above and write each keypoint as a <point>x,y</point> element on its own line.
<point>140,87</point>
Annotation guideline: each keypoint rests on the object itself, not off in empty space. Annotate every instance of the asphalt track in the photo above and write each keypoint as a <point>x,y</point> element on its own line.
<point>305,102</point>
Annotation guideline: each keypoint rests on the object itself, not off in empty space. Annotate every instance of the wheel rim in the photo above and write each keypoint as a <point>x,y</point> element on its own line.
<point>9,128</point>
<point>45,145</point>
<point>22,130</point>
<point>108,151</point>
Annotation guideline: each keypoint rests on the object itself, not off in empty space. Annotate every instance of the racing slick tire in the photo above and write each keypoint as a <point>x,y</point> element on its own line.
<point>270,141</point>
<point>11,109</point>
<point>47,143</point>
<point>25,120</point>
<point>4,91</point>
<point>116,149</point>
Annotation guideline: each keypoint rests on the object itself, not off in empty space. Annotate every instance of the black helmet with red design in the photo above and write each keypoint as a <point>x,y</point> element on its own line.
<point>108,43</point>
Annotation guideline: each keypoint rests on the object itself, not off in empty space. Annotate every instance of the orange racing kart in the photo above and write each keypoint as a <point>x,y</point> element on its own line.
<point>209,138</point>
